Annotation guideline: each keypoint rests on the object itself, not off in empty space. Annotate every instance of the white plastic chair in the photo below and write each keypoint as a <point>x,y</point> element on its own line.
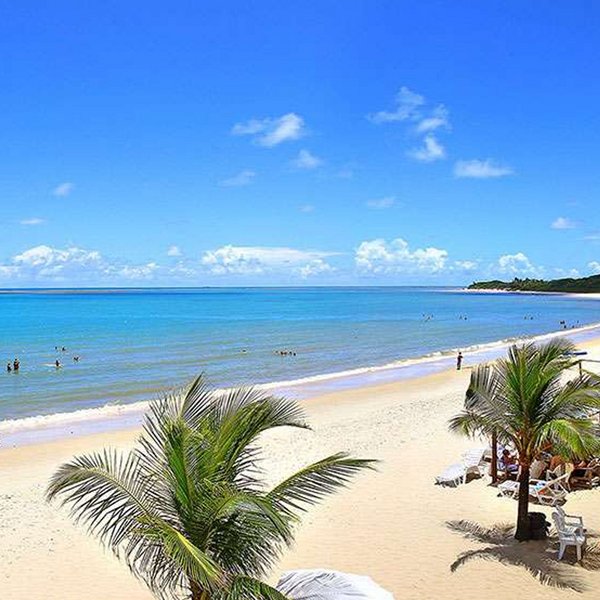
<point>571,522</point>
<point>567,536</point>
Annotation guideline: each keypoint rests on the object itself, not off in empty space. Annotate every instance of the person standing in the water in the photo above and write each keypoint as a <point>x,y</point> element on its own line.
<point>16,364</point>
<point>8,367</point>
<point>459,360</point>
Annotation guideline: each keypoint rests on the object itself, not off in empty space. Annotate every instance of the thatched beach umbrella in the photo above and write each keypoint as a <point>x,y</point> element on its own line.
<point>321,584</point>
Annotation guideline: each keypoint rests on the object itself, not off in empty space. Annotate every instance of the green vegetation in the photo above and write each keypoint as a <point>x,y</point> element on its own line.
<point>187,509</point>
<point>569,285</point>
<point>524,400</point>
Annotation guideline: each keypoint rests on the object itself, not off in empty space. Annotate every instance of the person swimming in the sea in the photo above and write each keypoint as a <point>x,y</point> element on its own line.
<point>57,363</point>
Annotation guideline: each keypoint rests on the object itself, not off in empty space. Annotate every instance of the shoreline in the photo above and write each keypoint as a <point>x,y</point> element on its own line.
<point>121,417</point>
<point>591,295</point>
<point>396,512</point>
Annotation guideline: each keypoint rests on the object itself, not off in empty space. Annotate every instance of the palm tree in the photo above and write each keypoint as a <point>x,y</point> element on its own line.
<point>187,509</point>
<point>527,400</point>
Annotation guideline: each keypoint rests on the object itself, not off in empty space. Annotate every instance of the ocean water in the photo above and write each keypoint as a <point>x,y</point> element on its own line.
<point>135,344</point>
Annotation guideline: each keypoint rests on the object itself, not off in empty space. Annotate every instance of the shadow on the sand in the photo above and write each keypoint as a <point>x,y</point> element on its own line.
<point>539,558</point>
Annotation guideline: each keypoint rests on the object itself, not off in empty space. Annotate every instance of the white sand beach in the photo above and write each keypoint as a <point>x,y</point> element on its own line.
<point>390,524</point>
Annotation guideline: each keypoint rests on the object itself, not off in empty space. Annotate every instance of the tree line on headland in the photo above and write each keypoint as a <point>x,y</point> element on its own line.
<point>568,285</point>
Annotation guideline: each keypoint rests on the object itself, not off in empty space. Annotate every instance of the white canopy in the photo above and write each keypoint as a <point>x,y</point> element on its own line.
<point>320,584</point>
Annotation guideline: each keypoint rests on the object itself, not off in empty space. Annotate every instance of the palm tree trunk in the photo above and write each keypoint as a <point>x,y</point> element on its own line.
<point>494,464</point>
<point>523,530</point>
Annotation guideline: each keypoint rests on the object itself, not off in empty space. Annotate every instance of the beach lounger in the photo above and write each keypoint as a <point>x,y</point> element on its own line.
<point>547,493</point>
<point>473,463</point>
<point>568,536</point>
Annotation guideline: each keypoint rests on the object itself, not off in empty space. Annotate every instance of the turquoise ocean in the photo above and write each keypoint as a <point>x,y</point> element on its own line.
<point>134,344</point>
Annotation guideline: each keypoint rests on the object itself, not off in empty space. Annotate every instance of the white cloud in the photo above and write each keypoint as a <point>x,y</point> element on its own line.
<point>137,272</point>
<point>48,265</point>
<point>173,251</point>
<point>430,151</point>
<point>315,267</point>
<point>45,256</point>
<point>407,108</point>
<point>63,189</point>
<point>306,160</point>
<point>466,265</point>
<point>517,264</point>
<point>379,256</point>
<point>563,223</point>
<point>594,267</point>
<point>242,178</point>
<point>480,169</point>
<point>307,208</point>
<point>593,237</point>
<point>381,203</point>
<point>438,118</point>
<point>256,260</point>
<point>272,131</point>
<point>32,221</point>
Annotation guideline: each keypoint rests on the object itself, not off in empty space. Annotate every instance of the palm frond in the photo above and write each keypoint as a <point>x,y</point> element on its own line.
<point>106,492</point>
<point>316,481</point>
<point>248,588</point>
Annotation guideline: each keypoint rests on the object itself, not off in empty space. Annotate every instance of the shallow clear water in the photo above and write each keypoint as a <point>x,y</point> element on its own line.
<point>133,344</point>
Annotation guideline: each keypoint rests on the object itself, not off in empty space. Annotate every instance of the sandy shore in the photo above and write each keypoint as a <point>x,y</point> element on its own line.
<point>391,524</point>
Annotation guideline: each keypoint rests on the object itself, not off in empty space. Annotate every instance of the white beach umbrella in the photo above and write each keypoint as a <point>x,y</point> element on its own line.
<point>320,584</point>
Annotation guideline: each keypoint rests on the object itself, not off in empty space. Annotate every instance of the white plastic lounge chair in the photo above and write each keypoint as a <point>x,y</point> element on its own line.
<point>567,536</point>
<point>472,463</point>
<point>509,489</point>
<point>452,475</point>
<point>547,493</point>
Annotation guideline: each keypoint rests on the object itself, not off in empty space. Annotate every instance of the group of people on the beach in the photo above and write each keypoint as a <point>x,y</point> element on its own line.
<point>545,464</point>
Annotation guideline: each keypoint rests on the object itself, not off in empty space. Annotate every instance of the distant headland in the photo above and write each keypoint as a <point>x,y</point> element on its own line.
<point>582,285</point>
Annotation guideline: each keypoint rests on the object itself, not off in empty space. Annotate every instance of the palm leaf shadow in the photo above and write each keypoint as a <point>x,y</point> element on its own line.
<point>538,558</point>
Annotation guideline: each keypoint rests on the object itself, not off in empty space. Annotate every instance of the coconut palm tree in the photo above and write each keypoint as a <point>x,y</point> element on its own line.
<point>529,401</point>
<point>187,509</point>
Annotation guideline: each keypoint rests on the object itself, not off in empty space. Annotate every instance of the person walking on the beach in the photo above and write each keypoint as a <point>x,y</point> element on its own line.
<point>16,364</point>
<point>459,360</point>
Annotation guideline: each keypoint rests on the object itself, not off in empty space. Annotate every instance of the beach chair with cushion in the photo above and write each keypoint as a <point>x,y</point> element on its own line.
<point>568,536</point>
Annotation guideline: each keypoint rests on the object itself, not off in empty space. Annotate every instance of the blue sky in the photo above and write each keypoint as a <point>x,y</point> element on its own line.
<point>266,143</point>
